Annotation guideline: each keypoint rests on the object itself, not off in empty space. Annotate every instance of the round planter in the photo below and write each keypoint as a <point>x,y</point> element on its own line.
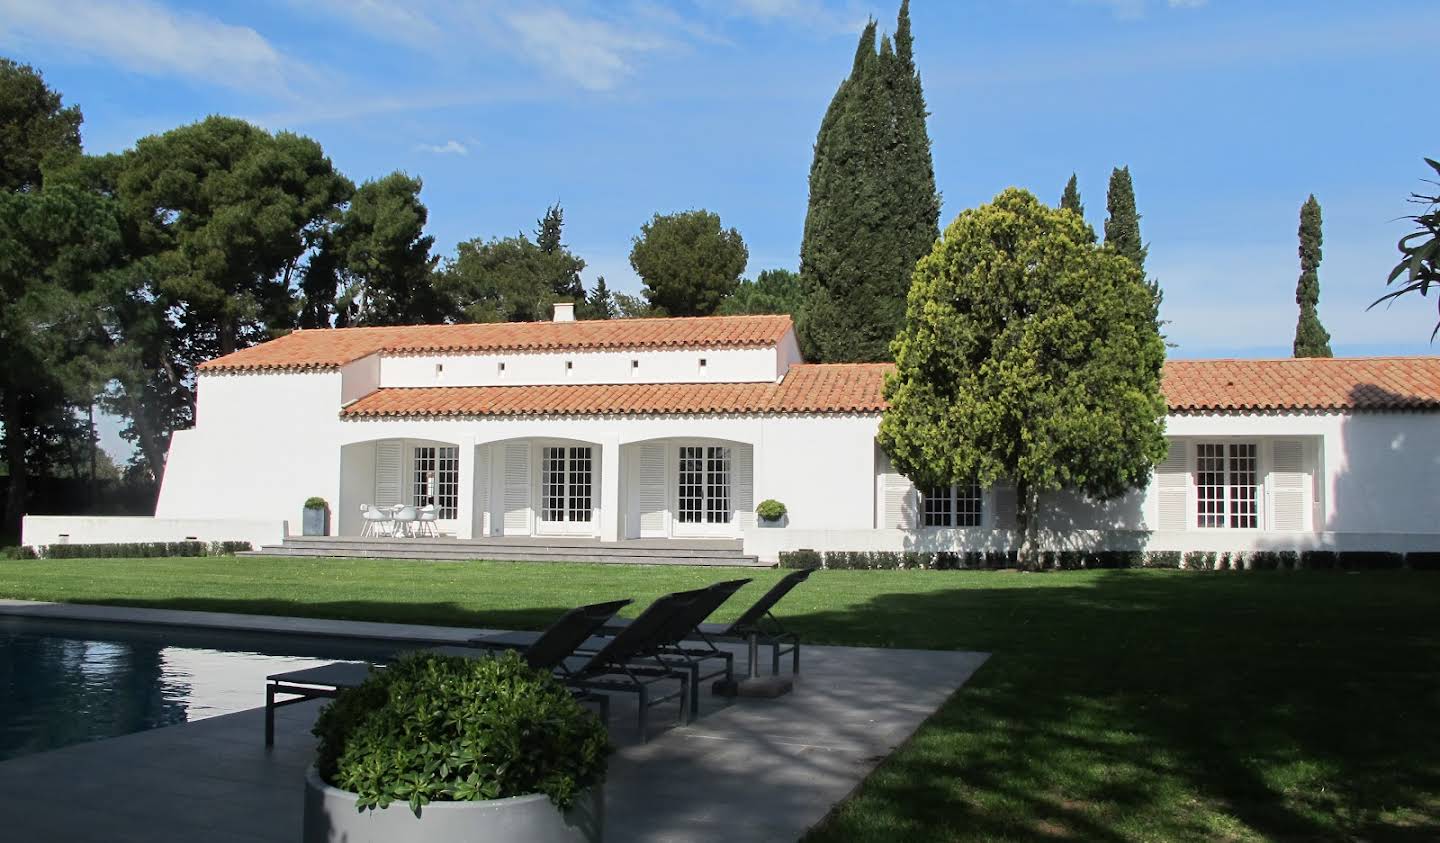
<point>331,817</point>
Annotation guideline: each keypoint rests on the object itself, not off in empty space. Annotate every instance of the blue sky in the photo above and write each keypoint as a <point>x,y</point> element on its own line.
<point>1228,112</point>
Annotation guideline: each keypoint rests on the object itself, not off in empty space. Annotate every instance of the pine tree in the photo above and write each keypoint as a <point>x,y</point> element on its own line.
<point>1311,338</point>
<point>1070,199</point>
<point>566,283</point>
<point>873,208</point>
<point>1122,229</point>
<point>600,304</point>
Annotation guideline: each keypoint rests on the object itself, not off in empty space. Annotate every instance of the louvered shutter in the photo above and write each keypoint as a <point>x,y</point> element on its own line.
<point>482,491</point>
<point>1288,479</point>
<point>517,488</point>
<point>900,502</point>
<point>742,475</point>
<point>1172,480</point>
<point>389,471</point>
<point>652,490</point>
<point>1004,516</point>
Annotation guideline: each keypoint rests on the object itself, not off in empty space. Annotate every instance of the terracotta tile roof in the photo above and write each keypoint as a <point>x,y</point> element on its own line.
<point>327,348</point>
<point>1354,383</point>
<point>807,388</point>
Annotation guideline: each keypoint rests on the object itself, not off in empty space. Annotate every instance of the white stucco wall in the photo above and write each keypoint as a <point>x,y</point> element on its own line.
<point>722,365</point>
<point>266,442</point>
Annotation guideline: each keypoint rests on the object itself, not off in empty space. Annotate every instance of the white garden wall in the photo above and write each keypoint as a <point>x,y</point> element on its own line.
<point>39,530</point>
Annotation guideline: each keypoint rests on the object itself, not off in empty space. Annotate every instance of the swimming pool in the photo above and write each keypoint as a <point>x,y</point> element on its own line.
<point>63,683</point>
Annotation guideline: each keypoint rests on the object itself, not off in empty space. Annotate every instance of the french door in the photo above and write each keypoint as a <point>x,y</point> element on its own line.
<point>703,491</point>
<point>567,489</point>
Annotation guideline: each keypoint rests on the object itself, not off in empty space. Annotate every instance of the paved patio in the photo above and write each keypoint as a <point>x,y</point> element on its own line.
<point>750,769</point>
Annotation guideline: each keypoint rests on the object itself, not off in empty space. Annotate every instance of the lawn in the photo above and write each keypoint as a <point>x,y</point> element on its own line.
<point>1119,705</point>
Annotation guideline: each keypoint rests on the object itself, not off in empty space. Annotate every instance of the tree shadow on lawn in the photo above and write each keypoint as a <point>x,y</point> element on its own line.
<point>1126,705</point>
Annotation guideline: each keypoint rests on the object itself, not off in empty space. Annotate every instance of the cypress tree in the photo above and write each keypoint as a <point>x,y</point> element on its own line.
<point>1311,338</point>
<point>1070,199</point>
<point>1122,229</point>
<point>873,208</point>
<point>1122,226</point>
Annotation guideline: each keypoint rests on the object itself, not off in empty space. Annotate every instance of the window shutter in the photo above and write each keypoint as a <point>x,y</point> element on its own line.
<point>1287,484</point>
<point>900,505</point>
<point>517,488</point>
<point>1004,515</point>
<point>481,526</point>
<point>1172,479</point>
<point>388,472</point>
<point>743,478</point>
<point>652,490</point>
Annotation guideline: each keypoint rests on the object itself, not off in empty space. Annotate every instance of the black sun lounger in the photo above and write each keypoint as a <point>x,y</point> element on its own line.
<point>629,662</point>
<point>756,626</point>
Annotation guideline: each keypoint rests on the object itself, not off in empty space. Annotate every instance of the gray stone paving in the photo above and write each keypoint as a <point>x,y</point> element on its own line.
<point>745,770</point>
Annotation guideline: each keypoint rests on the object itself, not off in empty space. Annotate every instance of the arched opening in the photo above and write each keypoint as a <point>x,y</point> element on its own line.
<point>537,486</point>
<point>389,472</point>
<point>686,488</point>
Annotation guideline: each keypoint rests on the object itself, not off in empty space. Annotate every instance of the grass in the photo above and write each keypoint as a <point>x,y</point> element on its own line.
<point>1118,705</point>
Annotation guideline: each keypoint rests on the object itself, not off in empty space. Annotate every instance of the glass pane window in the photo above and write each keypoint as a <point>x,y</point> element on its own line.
<point>961,505</point>
<point>703,489</point>
<point>566,475</point>
<point>1227,491</point>
<point>580,489</point>
<point>435,479</point>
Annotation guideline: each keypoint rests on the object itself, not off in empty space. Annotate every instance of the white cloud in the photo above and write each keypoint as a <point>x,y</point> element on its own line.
<point>590,52</point>
<point>450,147</point>
<point>146,38</point>
<point>393,20</point>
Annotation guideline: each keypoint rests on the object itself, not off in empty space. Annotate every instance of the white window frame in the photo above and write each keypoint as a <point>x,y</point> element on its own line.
<point>713,499</point>
<point>1228,501</point>
<point>443,488</point>
<point>575,484</point>
<point>958,506</point>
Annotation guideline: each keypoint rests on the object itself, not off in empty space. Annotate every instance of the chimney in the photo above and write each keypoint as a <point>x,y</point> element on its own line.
<point>564,311</point>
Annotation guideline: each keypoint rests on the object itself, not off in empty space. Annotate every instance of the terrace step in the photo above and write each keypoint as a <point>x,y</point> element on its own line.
<point>725,553</point>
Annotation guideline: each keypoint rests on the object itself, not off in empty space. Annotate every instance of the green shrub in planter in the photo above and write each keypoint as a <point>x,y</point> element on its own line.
<point>770,510</point>
<point>802,558</point>
<point>435,728</point>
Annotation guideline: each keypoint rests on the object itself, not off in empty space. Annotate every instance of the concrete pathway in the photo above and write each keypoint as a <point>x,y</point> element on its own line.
<point>746,770</point>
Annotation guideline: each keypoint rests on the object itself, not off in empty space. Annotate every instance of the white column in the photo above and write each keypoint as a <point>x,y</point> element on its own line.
<point>610,503</point>
<point>465,516</point>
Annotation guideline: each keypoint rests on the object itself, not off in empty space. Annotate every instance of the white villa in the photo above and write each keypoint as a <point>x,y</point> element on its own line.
<point>677,428</point>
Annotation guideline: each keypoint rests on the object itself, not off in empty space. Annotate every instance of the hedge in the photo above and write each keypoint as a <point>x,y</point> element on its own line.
<point>128,550</point>
<point>1075,560</point>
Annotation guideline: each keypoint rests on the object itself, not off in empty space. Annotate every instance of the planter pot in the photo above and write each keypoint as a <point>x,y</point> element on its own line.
<point>331,817</point>
<point>775,522</point>
<point>317,522</point>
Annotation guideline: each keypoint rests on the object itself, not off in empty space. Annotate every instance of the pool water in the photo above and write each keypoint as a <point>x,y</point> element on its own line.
<point>65,683</point>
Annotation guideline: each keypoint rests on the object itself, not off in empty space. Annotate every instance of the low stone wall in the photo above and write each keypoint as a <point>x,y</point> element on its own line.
<point>97,529</point>
<point>768,542</point>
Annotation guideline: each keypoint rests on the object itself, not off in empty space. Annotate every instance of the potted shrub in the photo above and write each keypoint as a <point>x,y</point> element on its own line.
<point>448,748</point>
<point>317,517</point>
<point>771,512</point>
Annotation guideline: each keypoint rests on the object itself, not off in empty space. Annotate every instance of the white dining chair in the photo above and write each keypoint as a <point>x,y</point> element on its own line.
<point>405,518</point>
<point>378,521</point>
<point>429,516</point>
